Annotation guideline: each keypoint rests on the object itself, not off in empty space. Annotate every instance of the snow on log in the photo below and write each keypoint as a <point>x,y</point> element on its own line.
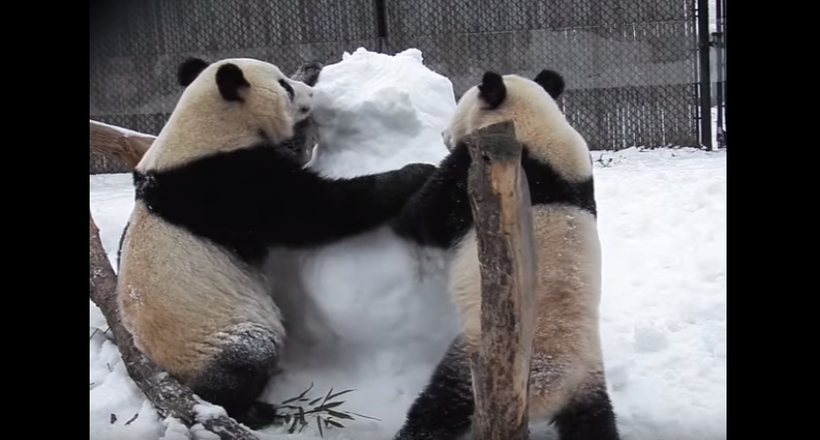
<point>126,145</point>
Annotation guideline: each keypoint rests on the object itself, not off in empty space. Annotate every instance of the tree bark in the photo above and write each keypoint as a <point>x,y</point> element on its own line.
<point>127,147</point>
<point>500,202</point>
<point>170,397</point>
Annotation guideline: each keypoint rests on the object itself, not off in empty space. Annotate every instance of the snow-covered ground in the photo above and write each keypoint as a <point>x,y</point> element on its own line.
<point>380,305</point>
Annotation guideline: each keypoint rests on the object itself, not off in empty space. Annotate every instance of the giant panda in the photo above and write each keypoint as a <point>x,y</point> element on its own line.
<point>213,195</point>
<point>567,381</point>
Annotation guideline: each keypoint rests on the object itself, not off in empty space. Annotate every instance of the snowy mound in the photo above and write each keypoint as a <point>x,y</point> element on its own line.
<point>370,312</point>
<point>378,112</point>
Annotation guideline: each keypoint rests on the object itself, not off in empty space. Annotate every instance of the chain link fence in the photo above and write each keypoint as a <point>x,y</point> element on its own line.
<point>630,65</point>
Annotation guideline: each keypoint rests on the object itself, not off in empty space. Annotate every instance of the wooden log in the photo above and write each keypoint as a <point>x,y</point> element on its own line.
<point>500,202</point>
<point>170,397</point>
<point>126,145</point>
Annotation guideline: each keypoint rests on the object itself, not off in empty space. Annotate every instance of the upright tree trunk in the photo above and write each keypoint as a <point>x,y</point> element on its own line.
<point>500,202</point>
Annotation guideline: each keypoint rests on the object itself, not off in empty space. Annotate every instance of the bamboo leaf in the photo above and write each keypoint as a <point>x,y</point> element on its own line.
<point>329,405</point>
<point>299,396</point>
<point>360,415</point>
<point>328,395</point>
<point>339,393</point>
<point>339,415</point>
<point>292,428</point>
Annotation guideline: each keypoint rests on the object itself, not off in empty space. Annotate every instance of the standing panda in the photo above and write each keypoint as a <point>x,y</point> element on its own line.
<point>214,193</point>
<point>567,383</point>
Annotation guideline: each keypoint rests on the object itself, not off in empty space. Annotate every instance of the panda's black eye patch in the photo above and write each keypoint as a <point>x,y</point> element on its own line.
<point>287,88</point>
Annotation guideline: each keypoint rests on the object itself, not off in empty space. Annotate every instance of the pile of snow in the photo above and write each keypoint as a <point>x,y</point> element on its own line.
<point>380,318</point>
<point>377,113</point>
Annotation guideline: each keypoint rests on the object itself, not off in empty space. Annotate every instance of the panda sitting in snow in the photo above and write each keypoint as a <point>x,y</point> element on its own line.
<point>214,193</point>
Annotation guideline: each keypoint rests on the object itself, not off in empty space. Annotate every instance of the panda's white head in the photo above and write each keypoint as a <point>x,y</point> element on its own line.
<point>226,105</point>
<point>539,123</point>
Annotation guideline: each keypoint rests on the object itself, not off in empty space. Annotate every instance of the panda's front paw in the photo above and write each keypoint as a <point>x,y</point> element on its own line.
<point>418,173</point>
<point>407,180</point>
<point>308,73</point>
<point>421,169</point>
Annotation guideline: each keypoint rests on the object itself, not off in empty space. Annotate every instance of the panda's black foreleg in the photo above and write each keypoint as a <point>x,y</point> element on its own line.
<point>444,409</point>
<point>237,376</point>
<point>589,416</point>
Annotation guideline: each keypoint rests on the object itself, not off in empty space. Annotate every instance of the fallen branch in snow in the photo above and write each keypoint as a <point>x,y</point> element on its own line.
<point>126,145</point>
<point>169,397</point>
<point>500,201</point>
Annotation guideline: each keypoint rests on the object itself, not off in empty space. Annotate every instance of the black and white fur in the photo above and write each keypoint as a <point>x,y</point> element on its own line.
<point>215,193</point>
<point>567,383</point>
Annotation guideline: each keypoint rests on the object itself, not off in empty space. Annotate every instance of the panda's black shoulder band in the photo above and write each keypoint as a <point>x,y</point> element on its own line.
<point>548,187</point>
<point>253,198</point>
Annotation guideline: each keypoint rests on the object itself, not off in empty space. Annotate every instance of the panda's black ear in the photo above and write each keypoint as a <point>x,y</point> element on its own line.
<point>492,89</point>
<point>189,70</point>
<point>229,79</point>
<point>552,82</point>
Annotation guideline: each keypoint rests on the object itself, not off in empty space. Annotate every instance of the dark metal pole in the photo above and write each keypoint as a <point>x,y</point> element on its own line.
<point>723,14</point>
<point>381,24</point>
<point>719,48</point>
<point>705,80</point>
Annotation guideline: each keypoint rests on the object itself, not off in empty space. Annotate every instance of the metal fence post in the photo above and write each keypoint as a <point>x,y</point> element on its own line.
<point>721,28</point>
<point>381,24</point>
<point>717,43</point>
<point>704,80</point>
